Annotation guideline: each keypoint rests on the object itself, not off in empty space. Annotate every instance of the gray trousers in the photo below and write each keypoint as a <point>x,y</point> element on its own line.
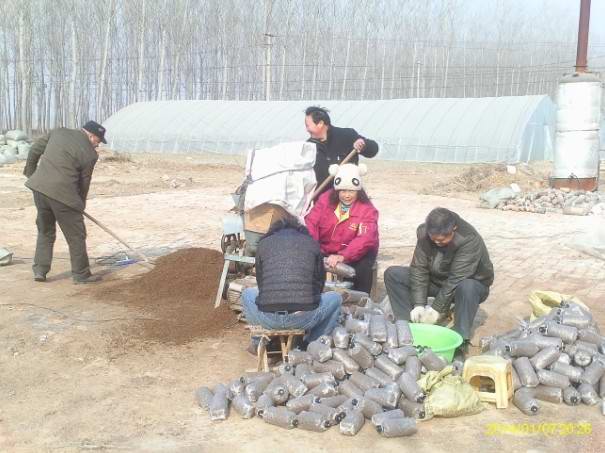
<point>467,297</point>
<point>71,222</point>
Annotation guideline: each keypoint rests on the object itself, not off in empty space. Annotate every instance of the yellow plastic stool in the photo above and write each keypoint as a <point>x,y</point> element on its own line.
<point>498,370</point>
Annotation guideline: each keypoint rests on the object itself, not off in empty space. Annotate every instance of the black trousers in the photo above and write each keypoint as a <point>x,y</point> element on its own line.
<point>71,222</point>
<point>467,297</point>
<point>363,273</point>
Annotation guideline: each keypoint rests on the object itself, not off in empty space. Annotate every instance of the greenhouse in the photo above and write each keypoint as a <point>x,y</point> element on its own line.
<point>451,130</point>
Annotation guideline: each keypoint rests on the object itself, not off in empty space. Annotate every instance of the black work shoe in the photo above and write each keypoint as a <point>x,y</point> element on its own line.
<point>89,279</point>
<point>39,277</point>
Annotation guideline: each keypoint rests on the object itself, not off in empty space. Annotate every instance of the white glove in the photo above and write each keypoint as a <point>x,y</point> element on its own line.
<point>417,313</point>
<point>430,316</point>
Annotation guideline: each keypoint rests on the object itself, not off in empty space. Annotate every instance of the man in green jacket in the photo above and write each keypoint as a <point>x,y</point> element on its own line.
<point>59,169</point>
<point>451,264</point>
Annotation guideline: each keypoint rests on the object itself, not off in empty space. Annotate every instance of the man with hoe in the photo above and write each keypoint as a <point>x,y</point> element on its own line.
<point>59,169</point>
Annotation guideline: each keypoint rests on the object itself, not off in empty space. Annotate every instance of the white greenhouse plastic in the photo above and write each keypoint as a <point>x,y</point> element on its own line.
<point>455,130</point>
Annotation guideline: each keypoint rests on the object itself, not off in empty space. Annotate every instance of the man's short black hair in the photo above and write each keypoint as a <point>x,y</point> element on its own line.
<point>318,114</point>
<point>440,222</point>
<point>287,221</point>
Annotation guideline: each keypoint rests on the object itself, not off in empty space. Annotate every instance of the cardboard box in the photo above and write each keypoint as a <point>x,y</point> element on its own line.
<point>260,218</point>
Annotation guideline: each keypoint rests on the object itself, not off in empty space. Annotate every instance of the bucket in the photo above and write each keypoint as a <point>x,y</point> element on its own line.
<point>441,340</point>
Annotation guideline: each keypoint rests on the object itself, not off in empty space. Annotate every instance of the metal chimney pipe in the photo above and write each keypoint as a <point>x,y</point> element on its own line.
<point>581,54</point>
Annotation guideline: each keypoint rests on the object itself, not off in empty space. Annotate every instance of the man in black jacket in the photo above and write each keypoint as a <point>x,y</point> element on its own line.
<point>290,275</point>
<point>450,263</point>
<point>334,143</point>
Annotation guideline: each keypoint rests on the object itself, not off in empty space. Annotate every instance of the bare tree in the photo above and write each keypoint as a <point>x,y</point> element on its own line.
<point>65,61</point>
<point>103,65</point>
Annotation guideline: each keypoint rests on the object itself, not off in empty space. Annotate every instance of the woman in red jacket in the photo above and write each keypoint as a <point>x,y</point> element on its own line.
<point>345,223</point>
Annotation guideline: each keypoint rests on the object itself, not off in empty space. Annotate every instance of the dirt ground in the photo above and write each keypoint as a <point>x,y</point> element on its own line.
<point>77,375</point>
<point>169,296</point>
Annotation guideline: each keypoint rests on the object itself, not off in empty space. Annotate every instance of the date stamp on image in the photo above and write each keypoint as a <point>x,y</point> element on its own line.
<point>545,429</point>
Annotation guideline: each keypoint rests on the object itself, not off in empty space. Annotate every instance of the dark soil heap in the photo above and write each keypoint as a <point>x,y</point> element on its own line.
<point>178,293</point>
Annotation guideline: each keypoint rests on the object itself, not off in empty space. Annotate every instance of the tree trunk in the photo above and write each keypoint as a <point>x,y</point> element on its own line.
<point>284,73</point>
<point>414,72</point>
<point>333,45</point>
<point>383,67</point>
<point>175,82</point>
<point>435,59</point>
<point>24,73</point>
<point>365,68</point>
<point>304,66</point>
<point>141,54</point>
<point>103,70</point>
<point>346,68</point>
<point>512,80</point>
<point>161,69</point>
<point>464,68</point>
<point>497,72</point>
<point>446,64</point>
<point>393,65</point>
<point>73,110</point>
<point>529,74</point>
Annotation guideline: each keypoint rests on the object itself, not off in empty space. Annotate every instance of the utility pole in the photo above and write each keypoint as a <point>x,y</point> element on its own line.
<point>267,72</point>
<point>268,44</point>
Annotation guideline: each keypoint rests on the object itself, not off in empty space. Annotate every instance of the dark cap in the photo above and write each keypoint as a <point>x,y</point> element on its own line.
<point>96,129</point>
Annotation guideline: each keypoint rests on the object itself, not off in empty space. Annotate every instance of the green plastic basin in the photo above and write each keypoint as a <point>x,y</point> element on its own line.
<point>441,340</point>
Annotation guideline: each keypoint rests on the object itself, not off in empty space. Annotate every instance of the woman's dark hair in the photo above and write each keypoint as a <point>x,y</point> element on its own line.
<point>287,221</point>
<point>440,222</point>
<point>318,114</point>
<point>361,196</point>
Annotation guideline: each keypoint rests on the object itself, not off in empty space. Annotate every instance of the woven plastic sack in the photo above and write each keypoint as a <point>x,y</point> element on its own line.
<point>23,150</point>
<point>15,135</point>
<point>493,197</point>
<point>544,301</point>
<point>282,175</point>
<point>10,155</point>
<point>448,395</point>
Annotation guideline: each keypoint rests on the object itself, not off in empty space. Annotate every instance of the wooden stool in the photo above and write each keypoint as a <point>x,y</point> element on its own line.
<point>266,335</point>
<point>499,370</point>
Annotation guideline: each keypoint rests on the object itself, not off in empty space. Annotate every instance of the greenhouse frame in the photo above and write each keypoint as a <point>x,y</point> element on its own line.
<point>449,130</point>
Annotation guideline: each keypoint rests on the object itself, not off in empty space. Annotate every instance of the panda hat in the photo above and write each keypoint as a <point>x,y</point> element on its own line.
<point>347,176</point>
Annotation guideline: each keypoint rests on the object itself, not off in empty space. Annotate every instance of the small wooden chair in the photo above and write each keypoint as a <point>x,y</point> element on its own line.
<point>286,337</point>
